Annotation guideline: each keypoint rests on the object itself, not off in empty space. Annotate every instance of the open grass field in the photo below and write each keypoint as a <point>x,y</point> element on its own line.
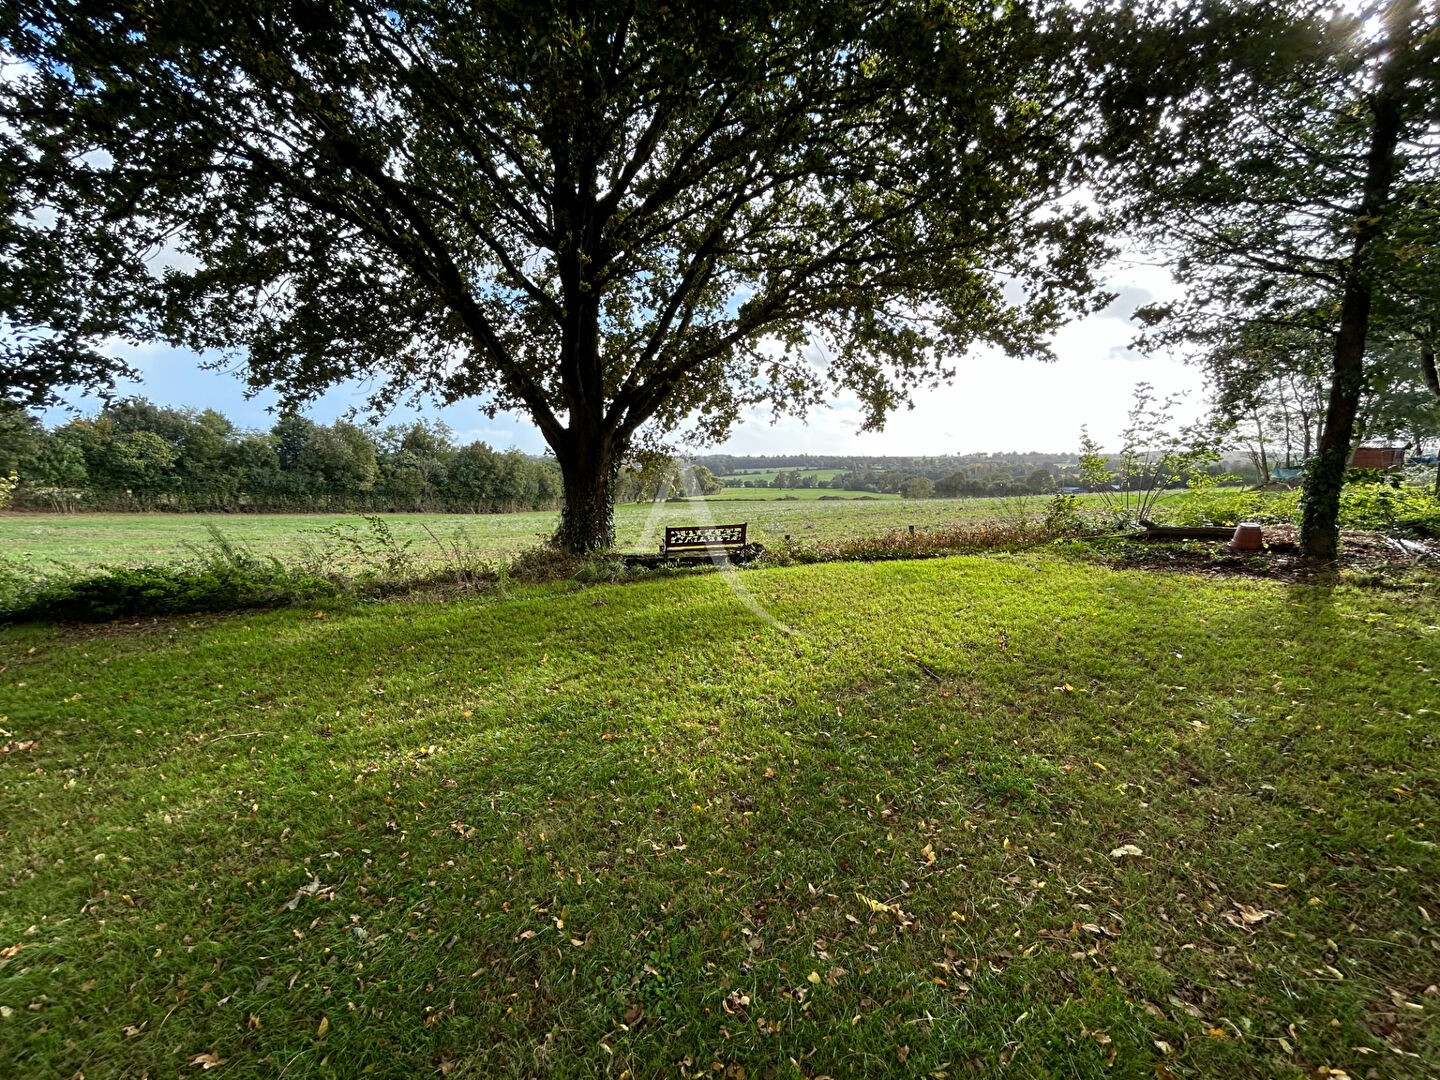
<point>769,474</point>
<point>89,539</point>
<point>739,494</point>
<point>1012,816</point>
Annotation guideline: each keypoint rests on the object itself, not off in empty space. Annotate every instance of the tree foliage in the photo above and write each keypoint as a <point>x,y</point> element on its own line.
<point>1287,165</point>
<point>607,215</point>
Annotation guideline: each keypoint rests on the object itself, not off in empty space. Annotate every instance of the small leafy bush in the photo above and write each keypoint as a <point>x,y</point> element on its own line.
<point>370,549</point>
<point>1379,506</point>
<point>543,563</point>
<point>1230,506</point>
<point>1390,509</point>
<point>1065,516</point>
<point>1152,459</point>
<point>600,569</point>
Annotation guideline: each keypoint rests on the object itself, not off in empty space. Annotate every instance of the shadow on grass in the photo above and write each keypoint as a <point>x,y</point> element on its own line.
<point>633,828</point>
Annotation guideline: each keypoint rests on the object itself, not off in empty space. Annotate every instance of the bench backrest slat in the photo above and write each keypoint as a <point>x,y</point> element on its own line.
<point>701,539</point>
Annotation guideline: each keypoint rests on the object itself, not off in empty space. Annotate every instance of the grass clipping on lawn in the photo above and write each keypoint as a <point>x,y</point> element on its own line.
<point>1009,814</point>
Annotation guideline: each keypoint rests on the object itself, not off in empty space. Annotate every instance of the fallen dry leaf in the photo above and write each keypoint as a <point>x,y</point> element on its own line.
<point>312,888</point>
<point>875,905</point>
<point>1245,915</point>
<point>1126,849</point>
<point>207,1061</point>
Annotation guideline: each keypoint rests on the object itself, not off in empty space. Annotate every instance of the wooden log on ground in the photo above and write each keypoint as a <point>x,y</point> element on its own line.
<point>1153,531</point>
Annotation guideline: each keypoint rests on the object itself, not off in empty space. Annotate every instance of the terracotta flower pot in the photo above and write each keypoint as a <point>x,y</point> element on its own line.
<point>1248,537</point>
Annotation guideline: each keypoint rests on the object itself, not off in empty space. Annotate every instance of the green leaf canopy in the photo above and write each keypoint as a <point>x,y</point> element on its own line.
<point>606,215</point>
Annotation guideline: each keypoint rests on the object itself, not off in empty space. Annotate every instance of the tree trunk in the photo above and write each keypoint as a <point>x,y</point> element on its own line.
<point>1432,383</point>
<point>587,518</point>
<point>1320,517</point>
<point>1262,467</point>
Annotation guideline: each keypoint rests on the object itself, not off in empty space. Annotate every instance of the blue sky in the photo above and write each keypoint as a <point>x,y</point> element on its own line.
<point>994,403</point>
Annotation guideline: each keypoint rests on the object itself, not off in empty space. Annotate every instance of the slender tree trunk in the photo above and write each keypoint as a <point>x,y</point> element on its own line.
<point>1285,418</point>
<point>1262,460</point>
<point>1428,369</point>
<point>1432,383</point>
<point>1320,516</point>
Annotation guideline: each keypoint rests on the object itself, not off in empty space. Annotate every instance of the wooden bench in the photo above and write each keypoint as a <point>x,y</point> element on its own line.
<point>705,542</point>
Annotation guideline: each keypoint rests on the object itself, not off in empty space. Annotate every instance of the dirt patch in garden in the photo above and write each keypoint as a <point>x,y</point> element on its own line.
<point>1280,558</point>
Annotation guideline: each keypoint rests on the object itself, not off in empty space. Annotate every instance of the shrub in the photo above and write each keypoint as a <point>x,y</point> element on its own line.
<point>1384,507</point>
<point>119,592</point>
<point>218,577</point>
<point>1151,459</point>
<point>1230,507</point>
<point>1380,506</point>
<point>371,549</point>
<point>1064,516</point>
<point>543,563</point>
<point>600,570</point>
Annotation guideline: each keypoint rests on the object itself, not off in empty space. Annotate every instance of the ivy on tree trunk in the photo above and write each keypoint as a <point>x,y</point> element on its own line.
<point>587,518</point>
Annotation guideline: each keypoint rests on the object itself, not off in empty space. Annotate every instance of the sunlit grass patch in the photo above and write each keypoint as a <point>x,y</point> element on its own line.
<point>577,831</point>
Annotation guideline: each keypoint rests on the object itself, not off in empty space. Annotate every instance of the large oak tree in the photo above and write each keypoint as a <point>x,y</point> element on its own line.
<point>617,217</point>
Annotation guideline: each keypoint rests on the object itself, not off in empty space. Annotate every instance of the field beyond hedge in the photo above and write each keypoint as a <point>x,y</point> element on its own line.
<point>1006,815</point>
<point>131,539</point>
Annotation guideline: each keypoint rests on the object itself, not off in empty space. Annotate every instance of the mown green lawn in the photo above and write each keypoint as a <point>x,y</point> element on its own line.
<point>851,820</point>
<point>131,539</point>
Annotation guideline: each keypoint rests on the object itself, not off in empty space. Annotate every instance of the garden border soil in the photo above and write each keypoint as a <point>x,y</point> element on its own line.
<point>1279,559</point>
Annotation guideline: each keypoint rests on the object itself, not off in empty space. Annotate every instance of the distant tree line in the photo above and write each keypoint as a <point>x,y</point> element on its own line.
<point>969,476</point>
<point>919,464</point>
<point>135,455</point>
